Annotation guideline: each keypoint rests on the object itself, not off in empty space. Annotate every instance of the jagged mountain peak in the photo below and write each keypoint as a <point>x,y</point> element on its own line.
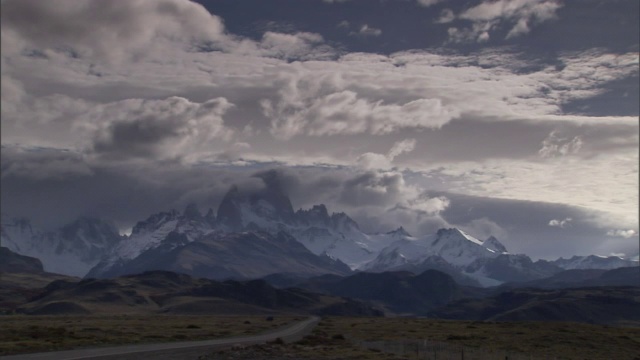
<point>593,262</point>
<point>229,211</point>
<point>388,258</point>
<point>240,207</point>
<point>71,249</point>
<point>494,244</point>
<point>318,210</point>
<point>247,254</point>
<point>210,217</point>
<point>343,222</point>
<point>400,232</point>
<point>316,216</point>
<point>455,234</point>
<point>274,194</point>
<point>154,221</point>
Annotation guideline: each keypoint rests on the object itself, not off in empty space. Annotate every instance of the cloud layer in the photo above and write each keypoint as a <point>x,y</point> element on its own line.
<point>163,97</point>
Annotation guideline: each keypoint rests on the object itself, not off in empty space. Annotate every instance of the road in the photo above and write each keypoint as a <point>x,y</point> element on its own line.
<point>177,350</point>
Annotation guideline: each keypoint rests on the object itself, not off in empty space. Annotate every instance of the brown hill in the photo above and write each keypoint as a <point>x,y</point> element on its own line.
<point>399,292</point>
<point>21,278</point>
<point>599,305</point>
<point>168,292</point>
<point>11,262</point>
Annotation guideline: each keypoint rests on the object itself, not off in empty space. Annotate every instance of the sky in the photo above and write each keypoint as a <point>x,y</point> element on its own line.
<point>509,118</point>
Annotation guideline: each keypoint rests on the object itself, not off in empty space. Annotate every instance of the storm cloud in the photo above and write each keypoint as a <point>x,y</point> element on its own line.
<point>457,114</point>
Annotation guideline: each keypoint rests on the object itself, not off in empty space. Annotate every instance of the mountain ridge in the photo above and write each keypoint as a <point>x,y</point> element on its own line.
<point>162,292</point>
<point>73,249</point>
<point>170,240</point>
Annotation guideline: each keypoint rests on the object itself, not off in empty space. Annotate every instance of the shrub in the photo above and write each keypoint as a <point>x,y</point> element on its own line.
<point>277,341</point>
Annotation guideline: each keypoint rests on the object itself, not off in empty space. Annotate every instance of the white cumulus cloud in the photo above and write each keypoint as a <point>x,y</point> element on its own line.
<point>366,30</point>
<point>556,145</point>
<point>446,16</point>
<point>381,161</point>
<point>622,233</point>
<point>560,223</point>
<point>427,3</point>
<point>111,30</point>
<point>490,15</point>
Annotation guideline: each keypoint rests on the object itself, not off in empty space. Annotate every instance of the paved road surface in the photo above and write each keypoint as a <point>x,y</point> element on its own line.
<point>177,350</point>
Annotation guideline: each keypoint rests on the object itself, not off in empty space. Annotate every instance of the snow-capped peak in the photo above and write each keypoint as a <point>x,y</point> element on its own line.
<point>457,234</point>
<point>399,232</point>
<point>388,258</point>
<point>72,249</point>
<point>493,244</point>
<point>263,208</point>
<point>342,222</point>
<point>594,262</point>
<point>150,233</point>
<point>155,221</point>
<point>316,216</point>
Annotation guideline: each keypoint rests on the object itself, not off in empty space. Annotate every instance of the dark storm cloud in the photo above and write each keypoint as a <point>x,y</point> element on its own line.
<point>42,163</point>
<point>122,193</point>
<point>342,188</point>
<point>372,189</point>
<point>153,128</point>
<point>379,201</point>
<point>136,190</point>
<point>160,105</point>
<point>53,187</point>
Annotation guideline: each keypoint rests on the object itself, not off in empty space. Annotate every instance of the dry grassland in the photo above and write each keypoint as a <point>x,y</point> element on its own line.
<point>25,334</point>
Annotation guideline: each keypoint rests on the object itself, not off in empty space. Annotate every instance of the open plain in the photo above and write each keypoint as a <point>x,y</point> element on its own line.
<point>333,338</point>
<point>27,334</point>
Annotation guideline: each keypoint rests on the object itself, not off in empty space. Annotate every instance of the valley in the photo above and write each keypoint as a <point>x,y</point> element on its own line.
<point>319,179</point>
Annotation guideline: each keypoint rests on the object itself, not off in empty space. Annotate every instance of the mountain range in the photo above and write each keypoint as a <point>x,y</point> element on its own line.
<point>580,295</point>
<point>256,233</point>
<point>73,249</point>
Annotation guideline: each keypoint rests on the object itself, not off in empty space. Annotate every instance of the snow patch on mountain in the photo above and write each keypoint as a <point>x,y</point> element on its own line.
<point>453,245</point>
<point>71,250</point>
<point>268,210</point>
<point>493,244</point>
<point>150,233</point>
<point>459,248</point>
<point>338,241</point>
